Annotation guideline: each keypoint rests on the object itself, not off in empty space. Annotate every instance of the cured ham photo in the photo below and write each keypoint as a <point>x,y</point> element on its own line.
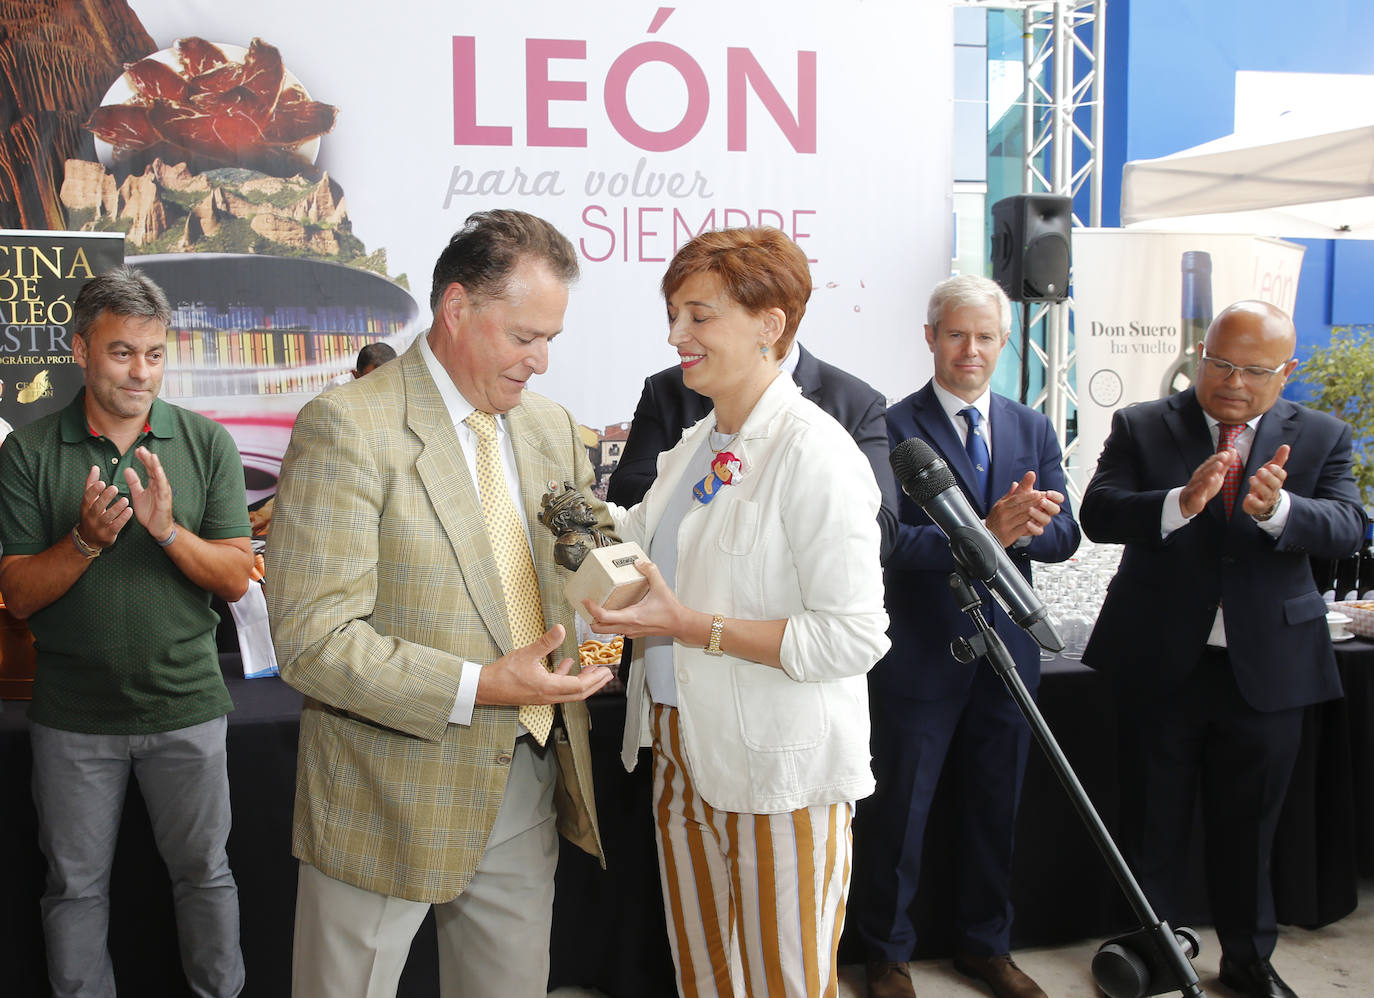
<point>211,110</point>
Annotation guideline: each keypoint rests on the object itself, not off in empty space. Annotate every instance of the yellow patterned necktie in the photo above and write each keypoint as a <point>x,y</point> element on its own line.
<point>511,548</point>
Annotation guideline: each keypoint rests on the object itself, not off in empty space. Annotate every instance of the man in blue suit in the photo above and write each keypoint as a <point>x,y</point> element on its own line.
<point>1213,631</point>
<point>931,713</point>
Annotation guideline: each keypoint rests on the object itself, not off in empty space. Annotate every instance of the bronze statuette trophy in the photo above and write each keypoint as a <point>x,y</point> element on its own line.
<point>603,570</point>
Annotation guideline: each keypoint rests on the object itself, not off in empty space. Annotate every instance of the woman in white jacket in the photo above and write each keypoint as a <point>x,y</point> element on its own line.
<point>765,611</point>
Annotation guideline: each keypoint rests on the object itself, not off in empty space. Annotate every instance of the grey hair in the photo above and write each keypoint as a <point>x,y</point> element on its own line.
<point>964,291</point>
<point>122,291</point>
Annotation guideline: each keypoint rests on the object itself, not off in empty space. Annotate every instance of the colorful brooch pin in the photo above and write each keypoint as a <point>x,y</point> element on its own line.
<point>725,470</point>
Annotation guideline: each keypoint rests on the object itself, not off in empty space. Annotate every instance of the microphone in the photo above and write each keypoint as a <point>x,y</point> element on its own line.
<point>924,476</point>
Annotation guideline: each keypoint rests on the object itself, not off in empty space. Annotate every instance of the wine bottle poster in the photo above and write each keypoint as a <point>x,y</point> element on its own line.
<point>1142,303</point>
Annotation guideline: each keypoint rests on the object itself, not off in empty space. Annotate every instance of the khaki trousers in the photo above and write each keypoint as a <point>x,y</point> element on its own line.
<point>493,938</point>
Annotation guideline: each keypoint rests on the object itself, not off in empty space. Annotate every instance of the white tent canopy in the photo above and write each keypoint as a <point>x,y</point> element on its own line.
<point>1303,177</point>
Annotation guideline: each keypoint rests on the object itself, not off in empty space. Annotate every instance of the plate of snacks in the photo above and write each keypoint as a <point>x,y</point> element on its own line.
<point>1361,614</point>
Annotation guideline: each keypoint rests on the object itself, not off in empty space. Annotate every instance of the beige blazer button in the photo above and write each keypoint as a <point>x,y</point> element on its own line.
<point>503,759</point>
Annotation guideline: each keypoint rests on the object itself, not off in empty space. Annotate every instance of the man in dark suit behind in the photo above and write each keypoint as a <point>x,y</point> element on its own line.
<point>931,713</point>
<point>1213,631</point>
<point>667,407</point>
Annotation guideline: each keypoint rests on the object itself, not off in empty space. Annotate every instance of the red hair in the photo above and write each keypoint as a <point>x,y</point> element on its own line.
<point>759,268</point>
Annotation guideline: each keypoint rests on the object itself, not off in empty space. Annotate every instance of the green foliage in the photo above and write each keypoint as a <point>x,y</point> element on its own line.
<point>374,261</point>
<point>1341,375</point>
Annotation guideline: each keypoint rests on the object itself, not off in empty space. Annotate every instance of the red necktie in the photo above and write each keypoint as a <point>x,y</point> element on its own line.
<point>1227,435</point>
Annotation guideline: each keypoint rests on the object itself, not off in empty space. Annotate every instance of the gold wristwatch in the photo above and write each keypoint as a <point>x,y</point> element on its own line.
<point>717,627</point>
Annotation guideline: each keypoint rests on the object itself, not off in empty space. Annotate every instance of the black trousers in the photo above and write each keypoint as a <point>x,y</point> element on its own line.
<point>1204,741</point>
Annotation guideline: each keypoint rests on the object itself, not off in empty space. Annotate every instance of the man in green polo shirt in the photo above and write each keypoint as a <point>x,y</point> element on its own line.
<point>120,516</point>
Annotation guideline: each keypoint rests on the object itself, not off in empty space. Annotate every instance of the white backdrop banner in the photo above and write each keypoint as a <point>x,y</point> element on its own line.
<point>1142,300</point>
<point>632,127</point>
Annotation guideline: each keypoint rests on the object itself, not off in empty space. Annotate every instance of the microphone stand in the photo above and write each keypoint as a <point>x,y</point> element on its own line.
<point>1152,960</point>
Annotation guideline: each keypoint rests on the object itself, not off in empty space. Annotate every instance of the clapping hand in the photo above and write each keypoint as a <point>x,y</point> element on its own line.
<point>103,511</point>
<point>1265,485</point>
<point>152,505</point>
<point>1023,511</point>
<point>1206,482</point>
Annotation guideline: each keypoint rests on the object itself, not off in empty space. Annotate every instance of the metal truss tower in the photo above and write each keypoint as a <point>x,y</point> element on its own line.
<point>1062,102</point>
<point>1064,47</point>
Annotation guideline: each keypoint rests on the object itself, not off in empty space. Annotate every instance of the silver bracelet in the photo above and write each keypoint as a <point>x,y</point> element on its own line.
<point>170,537</point>
<point>87,551</point>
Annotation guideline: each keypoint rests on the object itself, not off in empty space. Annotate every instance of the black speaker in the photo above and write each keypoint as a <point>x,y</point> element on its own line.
<point>1030,246</point>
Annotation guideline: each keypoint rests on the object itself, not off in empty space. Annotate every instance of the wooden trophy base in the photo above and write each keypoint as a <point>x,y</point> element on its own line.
<point>608,577</point>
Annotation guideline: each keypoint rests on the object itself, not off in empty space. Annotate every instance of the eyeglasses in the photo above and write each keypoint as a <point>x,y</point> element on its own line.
<point>1255,377</point>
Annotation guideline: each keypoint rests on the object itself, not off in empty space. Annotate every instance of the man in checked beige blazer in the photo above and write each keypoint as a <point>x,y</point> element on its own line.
<point>416,786</point>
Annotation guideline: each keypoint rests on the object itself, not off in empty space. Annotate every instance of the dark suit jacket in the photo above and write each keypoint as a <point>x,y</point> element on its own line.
<point>924,615</point>
<point>667,407</point>
<point>1160,606</point>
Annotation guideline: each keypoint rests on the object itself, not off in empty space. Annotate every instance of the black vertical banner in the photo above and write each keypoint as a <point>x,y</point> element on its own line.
<point>40,275</point>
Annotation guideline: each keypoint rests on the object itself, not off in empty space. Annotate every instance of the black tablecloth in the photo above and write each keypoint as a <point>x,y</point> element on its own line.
<point>262,772</point>
<point>608,926</point>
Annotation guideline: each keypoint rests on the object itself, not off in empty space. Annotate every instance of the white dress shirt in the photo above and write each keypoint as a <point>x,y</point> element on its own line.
<point>459,409</point>
<point>953,405</point>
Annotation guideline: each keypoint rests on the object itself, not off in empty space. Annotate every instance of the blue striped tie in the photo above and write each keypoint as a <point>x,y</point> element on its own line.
<point>977,449</point>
